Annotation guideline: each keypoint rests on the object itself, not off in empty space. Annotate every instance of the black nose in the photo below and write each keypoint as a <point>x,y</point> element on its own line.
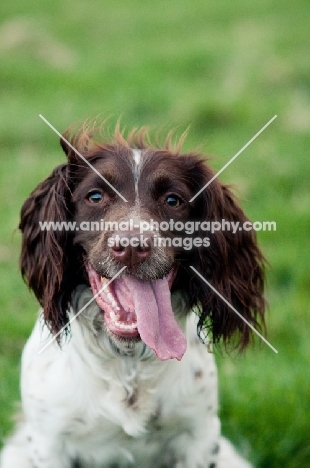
<point>130,248</point>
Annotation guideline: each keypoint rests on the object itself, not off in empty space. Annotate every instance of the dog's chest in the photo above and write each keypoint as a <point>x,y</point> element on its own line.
<point>112,409</point>
<point>135,406</point>
<point>132,398</point>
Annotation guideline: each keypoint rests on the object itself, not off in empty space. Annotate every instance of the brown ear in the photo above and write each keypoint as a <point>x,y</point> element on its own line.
<point>233,264</point>
<point>80,142</point>
<point>47,253</point>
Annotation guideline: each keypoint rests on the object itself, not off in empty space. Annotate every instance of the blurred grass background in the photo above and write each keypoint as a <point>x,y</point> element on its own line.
<point>224,68</point>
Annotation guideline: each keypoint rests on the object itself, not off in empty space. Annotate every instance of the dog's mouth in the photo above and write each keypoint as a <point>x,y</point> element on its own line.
<point>134,308</point>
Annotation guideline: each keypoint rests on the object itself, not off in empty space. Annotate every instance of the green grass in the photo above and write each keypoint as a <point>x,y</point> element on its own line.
<point>224,68</point>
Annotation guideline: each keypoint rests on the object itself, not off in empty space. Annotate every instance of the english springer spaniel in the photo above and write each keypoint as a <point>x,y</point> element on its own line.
<point>119,370</point>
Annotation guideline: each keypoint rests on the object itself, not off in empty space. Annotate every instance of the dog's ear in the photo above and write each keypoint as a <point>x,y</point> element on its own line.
<point>77,144</point>
<point>233,264</point>
<point>46,259</point>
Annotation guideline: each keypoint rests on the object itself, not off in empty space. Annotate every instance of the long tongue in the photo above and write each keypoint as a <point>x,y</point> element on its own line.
<point>156,322</point>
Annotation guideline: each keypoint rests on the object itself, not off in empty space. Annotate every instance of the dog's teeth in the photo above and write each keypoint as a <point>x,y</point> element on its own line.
<point>105,284</point>
<point>117,308</point>
<point>114,316</point>
<point>110,297</point>
<point>123,326</point>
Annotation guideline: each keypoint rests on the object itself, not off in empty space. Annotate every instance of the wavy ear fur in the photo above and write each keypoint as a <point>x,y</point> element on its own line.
<point>46,259</point>
<point>233,264</point>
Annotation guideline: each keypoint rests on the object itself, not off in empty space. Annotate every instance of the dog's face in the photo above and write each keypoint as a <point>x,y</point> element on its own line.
<point>142,236</point>
<point>155,192</point>
<point>157,188</point>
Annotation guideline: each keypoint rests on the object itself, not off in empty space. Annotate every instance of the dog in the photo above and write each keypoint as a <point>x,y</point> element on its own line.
<point>119,371</point>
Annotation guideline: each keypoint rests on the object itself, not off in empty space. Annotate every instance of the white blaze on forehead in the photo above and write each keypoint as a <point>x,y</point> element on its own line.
<point>137,157</point>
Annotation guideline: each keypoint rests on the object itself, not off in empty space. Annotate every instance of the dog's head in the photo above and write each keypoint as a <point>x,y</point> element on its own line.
<point>131,207</point>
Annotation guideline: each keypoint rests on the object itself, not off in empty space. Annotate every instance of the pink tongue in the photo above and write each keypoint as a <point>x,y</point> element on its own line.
<point>156,322</point>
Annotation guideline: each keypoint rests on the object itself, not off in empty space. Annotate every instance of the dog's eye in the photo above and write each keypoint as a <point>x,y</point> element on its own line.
<point>173,200</point>
<point>95,196</point>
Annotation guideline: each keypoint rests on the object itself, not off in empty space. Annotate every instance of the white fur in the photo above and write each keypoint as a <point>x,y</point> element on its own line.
<point>136,156</point>
<point>116,408</point>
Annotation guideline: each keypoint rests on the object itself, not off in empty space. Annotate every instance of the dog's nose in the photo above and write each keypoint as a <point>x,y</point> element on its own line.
<point>130,248</point>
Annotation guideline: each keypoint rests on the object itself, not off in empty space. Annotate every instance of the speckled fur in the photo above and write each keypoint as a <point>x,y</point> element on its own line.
<point>88,405</point>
